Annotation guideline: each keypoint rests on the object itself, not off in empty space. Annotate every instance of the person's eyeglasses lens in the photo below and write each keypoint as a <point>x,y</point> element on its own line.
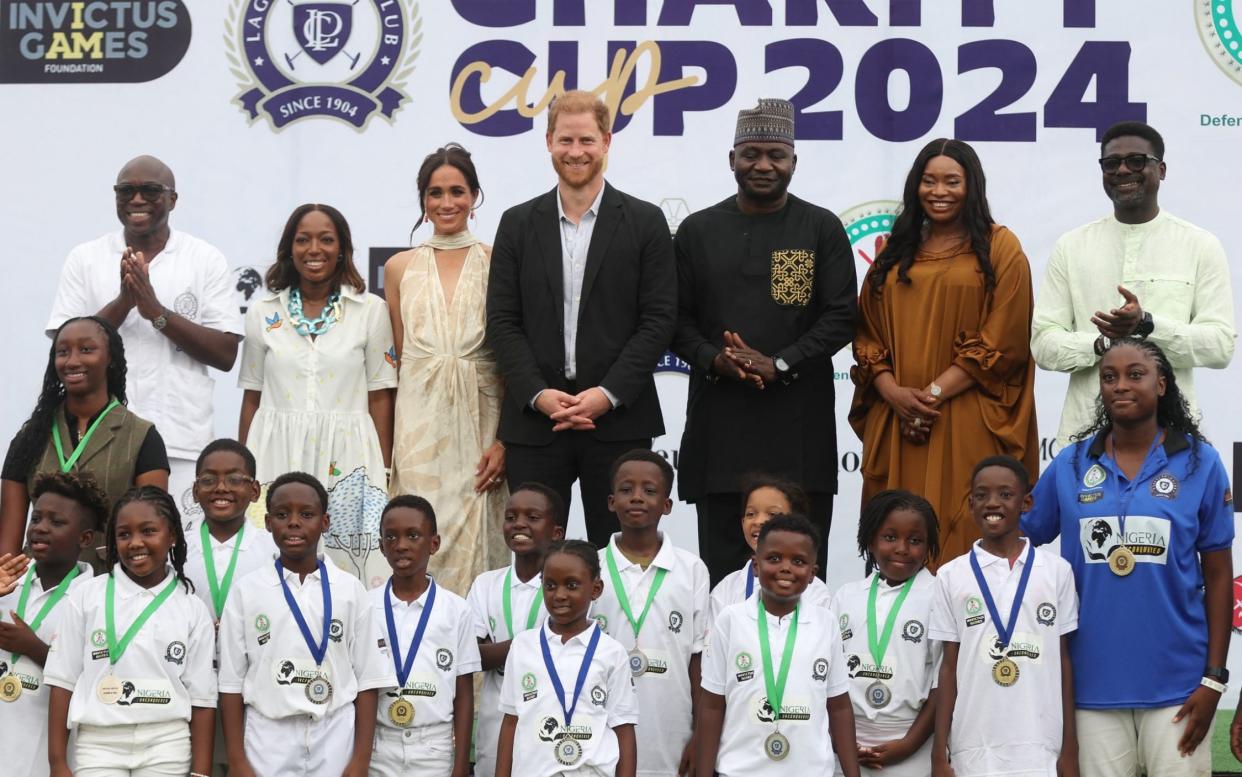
<point>1135,163</point>
<point>232,481</point>
<point>150,191</point>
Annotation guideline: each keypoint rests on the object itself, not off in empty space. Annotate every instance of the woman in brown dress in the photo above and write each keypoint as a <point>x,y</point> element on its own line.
<point>944,375</point>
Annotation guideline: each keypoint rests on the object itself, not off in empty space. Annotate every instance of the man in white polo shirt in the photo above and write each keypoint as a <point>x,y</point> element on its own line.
<point>171,297</point>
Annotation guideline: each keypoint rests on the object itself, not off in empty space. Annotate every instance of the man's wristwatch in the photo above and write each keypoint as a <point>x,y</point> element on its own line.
<point>160,321</point>
<point>1218,673</point>
<point>783,372</point>
<point>1145,325</point>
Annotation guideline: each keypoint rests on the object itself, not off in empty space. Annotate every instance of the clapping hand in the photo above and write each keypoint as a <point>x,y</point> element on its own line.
<point>11,570</point>
<point>1120,322</point>
<point>136,282</point>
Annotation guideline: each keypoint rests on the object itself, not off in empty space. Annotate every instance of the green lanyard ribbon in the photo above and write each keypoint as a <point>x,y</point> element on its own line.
<point>506,602</point>
<point>67,464</point>
<point>57,595</point>
<point>776,687</point>
<point>219,590</point>
<point>117,649</point>
<point>619,588</point>
<point>880,646</point>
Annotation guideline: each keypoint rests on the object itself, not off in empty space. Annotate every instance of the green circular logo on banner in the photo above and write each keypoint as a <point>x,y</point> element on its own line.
<point>1216,21</point>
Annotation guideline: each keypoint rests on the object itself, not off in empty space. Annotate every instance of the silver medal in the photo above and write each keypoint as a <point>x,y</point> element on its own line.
<point>319,690</point>
<point>878,695</point>
<point>568,751</point>
<point>776,746</point>
<point>638,662</point>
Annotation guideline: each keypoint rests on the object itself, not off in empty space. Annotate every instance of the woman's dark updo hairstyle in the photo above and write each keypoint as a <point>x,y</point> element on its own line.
<point>453,155</point>
<point>32,438</point>
<point>283,275</point>
<point>903,244</point>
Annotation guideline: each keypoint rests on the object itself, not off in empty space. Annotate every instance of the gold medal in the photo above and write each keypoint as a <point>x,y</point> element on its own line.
<point>10,689</point>
<point>401,713</point>
<point>1121,561</point>
<point>109,689</point>
<point>1005,672</point>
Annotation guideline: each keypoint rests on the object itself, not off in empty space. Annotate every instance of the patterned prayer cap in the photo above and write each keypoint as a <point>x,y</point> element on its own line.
<point>772,121</point>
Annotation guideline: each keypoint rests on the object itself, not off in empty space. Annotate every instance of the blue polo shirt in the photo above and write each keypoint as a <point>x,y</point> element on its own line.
<point>1142,639</point>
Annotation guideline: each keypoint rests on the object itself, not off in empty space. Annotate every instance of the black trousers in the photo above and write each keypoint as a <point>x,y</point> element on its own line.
<point>723,547</point>
<point>574,456</point>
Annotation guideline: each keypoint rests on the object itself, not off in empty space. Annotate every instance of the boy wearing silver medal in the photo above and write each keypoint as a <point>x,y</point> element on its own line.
<point>774,696</point>
<point>68,509</point>
<point>1004,613</point>
<point>299,666</point>
<point>656,603</point>
<point>424,720</point>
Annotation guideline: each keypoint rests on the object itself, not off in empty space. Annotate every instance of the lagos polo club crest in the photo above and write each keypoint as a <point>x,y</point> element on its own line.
<point>345,60</point>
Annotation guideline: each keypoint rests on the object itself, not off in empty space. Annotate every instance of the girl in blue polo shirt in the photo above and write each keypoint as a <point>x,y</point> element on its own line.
<point>1142,504</point>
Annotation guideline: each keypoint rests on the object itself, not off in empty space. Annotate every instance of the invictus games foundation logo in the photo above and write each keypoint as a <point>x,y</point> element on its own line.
<point>346,60</point>
<point>868,227</point>
<point>1217,22</point>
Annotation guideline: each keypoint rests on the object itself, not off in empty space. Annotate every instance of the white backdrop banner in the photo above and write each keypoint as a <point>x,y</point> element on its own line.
<point>259,105</point>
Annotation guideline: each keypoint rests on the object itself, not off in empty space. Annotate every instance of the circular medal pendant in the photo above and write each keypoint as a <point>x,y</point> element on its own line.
<point>776,746</point>
<point>638,662</point>
<point>1005,672</point>
<point>319,690</point>
<point>10,689</point>
<point>109,690</point>
<point>878,695</point>
<point>1121,561</point>
<point>401,713</point>
<point>567,750</point>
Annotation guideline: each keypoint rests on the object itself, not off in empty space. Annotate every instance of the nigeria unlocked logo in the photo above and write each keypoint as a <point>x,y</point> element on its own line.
<point>1217,21</point>
<point>343,60</point>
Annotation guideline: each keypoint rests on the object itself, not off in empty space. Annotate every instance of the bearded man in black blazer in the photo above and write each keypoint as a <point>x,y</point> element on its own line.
<point>581,304</point>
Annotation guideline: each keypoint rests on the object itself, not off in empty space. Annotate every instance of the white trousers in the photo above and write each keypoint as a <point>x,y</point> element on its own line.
<point>1127,743</point>
<point>426,751</point>
<point>149,750</point>
<point>300,745</point>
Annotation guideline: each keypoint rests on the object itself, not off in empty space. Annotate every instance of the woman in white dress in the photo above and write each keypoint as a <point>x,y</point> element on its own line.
<point>318,369</point>
<point>448,400</point>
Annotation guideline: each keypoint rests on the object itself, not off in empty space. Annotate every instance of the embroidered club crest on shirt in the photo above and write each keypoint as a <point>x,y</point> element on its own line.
<point>1046,613</point>
<point>1094,476</point>
<point>1164,486</point>
<point>913,631</point>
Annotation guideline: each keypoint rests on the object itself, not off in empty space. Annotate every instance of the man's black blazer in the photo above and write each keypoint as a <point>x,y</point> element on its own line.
<point>626,315</point>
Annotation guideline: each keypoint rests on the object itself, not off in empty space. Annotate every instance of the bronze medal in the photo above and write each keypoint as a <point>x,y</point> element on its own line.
<point>1005,672</point>
<point>10,689</point>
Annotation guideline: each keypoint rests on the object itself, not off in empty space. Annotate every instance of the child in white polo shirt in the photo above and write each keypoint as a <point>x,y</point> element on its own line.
<point>568,697</point>
<point>763,497</point>
<point>130,663</point>
<point>508,601</point>
<point>1004,612</point>
<point>68,509</point>
<point>655,602</point>
<point>774,677</point>
<point>883,620</point>
<point>298,647</point>
<point>424,722</point>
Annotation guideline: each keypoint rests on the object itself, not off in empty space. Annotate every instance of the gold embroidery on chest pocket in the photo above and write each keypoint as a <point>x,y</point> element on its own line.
<point>793,270</point>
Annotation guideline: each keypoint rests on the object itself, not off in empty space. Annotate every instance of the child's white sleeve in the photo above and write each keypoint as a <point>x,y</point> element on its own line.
<point>64,653</point>
<point>1067,596</point>
<point>468,660</point>
<point>199,675</point>
<point>715,676</point>
<point>232,641</point>
<point>622,695</point>
<point>477,601</point>
<point>511,686</point>
<point>838,672</point>
<point>370,666</point>
<point>702,606</point>
<point>935,657</point>
<point>943,626</point>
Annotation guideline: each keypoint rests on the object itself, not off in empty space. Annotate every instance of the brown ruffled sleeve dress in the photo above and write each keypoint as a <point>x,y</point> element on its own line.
<point>946,316</point>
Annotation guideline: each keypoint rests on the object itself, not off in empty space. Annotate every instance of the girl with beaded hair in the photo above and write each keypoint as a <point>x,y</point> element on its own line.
<point>318,369</point>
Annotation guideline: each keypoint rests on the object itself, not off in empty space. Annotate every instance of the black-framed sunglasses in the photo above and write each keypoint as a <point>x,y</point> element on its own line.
<point>1135,163</point>
<point>232,480</point>
<point>149,191</point>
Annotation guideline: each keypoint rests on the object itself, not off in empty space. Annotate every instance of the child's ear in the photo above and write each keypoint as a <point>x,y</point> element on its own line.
<point>327,521</point>
<point>267,522</point>
<point>668,504</point>
<point>558,532</point>
<point>255,489</point>
<point>611,502</point>
<point>435,543</point>
<point>597,589</point>
<point>1028,502</point>
<point>86,539</point>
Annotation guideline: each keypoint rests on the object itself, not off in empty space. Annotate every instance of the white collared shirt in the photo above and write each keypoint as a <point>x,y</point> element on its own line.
<point>166,386</point>
<point>1178,272</point>
<point>732,589</point>
<point>911,659</point>
<point>257,550</point>
<point>984,739</point>
<point>675,629</point>
<point>487,606</point>
<point>264,657</point>
<point>24,722</point>
<point>733,668</point>
<point>448,650</point>
<point>608,700</point>
<point>575,242</point>
<point>164,672</point>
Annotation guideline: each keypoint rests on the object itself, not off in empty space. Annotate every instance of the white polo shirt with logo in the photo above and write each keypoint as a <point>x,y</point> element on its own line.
<point>165,385</point>
<point>733,668</point>
<point>257,550</point>
<point>264,657</point>
<point>732,589</point>
<point>165,671</point>
<point>675,629</point>
<point>1013,730</point>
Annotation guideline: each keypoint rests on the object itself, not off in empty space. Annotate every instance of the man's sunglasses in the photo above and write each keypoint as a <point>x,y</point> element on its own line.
<point>150,191</point>
<point>1135,163</point>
